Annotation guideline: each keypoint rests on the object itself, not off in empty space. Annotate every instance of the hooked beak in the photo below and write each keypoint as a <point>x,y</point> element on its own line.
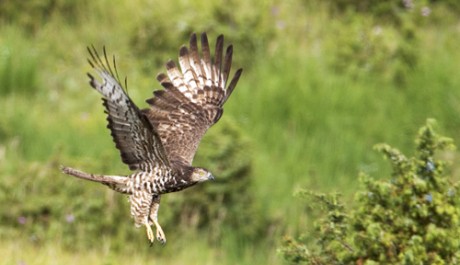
<point>211,177</point>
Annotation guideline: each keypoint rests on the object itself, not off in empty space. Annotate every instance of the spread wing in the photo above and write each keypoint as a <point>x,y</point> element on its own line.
<point>139,145</point>
<point>192,98</point>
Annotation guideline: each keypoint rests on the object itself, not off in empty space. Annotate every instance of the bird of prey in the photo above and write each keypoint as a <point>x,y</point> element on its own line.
<point>159,142</point>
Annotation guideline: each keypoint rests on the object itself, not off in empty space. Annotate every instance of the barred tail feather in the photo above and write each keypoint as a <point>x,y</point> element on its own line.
<point>104,179</point>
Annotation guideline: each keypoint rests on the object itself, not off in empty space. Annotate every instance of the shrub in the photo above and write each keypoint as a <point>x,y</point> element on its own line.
<point>154,36</point>
<point>413,218</point>
<point>365,46</point>
<point>381,37</point>
<point>392,11</point>
<point>33,14</point>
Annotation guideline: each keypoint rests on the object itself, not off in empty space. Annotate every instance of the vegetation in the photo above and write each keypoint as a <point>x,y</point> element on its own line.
<point>413,218</point>
<point>323,81</point>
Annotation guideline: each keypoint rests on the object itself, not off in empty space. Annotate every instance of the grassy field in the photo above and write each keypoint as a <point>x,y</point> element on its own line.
<point>311,108</point>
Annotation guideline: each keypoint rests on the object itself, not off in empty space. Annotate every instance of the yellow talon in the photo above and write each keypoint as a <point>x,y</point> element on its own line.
<point>150,233</point>
<point>160,234</point>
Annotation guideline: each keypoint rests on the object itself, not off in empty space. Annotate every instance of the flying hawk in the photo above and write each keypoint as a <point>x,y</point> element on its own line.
<point>159,142</point>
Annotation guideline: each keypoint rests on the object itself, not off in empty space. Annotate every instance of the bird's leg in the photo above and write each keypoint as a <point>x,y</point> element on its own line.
<point>141,202</point>
<point>154,218</point>
<point>160,234</point>
<point>149,232</point>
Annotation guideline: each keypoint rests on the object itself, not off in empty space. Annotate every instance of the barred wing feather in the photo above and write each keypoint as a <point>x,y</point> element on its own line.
<point>139,145</point>
<point>192,99</point>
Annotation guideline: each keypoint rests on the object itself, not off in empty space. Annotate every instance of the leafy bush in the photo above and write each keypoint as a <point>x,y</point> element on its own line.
<point>382,36</point>
<point>154,36</point>
<point>32,14</point>
<point>392,11</point>
<point>364,46</point>
<point>413,218</point>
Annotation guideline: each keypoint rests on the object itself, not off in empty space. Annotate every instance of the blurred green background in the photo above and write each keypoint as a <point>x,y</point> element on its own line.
<point>323,82</point>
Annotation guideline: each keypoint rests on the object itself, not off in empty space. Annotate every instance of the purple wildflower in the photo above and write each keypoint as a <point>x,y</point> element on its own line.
<point>22,220</point>
<point>426,11</point>
<point>408,4</point>
<point>70,218</point>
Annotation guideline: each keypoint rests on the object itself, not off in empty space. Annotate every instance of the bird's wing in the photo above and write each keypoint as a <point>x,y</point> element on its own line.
<point>192,98</point>
<point>139,145</point>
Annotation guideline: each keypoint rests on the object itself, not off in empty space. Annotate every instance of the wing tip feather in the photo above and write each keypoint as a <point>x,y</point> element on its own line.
<point>170,64</point>
<point>183,51</point>
<point>193,37</point>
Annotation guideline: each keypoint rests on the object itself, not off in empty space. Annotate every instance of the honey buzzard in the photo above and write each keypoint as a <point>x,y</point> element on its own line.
<point>159,142</point>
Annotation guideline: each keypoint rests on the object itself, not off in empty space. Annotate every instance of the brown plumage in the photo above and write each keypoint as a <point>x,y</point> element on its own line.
<point>160,142</point>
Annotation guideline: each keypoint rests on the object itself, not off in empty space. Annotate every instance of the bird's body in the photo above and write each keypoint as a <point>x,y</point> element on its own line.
<point>160,142</point>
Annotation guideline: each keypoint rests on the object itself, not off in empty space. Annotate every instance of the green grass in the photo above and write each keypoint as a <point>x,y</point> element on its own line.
<point>22,252</point>
<point>311,126</point>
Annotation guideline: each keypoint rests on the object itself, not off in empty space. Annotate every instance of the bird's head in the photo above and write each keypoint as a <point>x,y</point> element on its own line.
<point>200,174</point>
